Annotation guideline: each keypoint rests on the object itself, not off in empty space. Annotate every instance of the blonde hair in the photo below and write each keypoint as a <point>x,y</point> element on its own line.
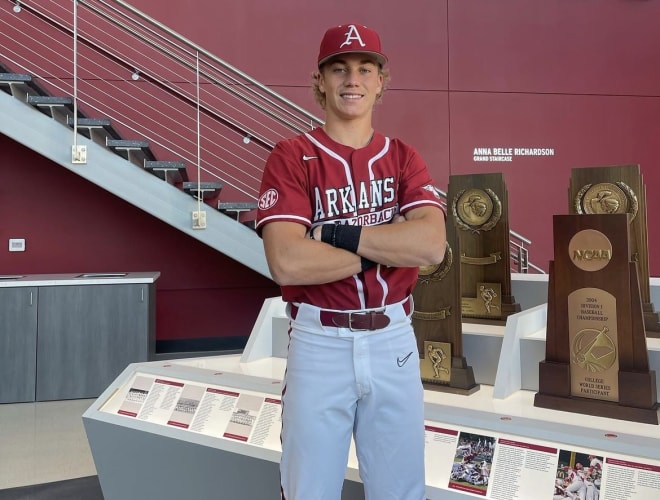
<point>319,96</point>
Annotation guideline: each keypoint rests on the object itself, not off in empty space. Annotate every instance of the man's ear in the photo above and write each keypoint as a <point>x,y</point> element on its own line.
<point>320,81</point>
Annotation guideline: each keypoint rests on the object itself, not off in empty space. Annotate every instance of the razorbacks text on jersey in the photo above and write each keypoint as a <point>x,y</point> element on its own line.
<point>311,179</point>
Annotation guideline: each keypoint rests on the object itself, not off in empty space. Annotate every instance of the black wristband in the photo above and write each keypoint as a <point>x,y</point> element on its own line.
<point>328,233</point>
<point>367,264</point>
<point>348,237</point>
<point>342,236</point>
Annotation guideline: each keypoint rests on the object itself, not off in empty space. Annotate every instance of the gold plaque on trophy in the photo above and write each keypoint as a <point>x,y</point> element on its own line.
<point>487,303</point>
<point>435,364</point>
<point>593,341</point>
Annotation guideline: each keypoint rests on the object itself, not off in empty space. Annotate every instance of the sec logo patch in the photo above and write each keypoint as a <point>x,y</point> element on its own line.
<point>268,199</point>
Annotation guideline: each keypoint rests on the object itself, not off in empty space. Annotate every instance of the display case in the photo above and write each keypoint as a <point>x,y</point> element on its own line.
<point>210,426</point>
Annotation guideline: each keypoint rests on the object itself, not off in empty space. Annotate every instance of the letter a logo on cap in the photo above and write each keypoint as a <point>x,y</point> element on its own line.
<point>352,34</point>
<point>350,38</point>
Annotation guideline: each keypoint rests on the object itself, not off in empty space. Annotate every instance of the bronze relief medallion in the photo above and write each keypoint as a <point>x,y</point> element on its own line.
<point>476,209</point>
<point>606,198</point>
<point>436,272</point>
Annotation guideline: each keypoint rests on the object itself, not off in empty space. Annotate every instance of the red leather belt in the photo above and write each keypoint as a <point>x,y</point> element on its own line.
<point>359,320</point>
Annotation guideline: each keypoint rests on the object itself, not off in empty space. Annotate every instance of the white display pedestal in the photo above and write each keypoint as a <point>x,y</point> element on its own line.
<point>208,427</point>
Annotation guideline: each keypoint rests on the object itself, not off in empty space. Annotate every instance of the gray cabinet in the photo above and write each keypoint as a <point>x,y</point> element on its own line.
<point>70,338</point>
<point>18,344</point>
<point>87,335</point>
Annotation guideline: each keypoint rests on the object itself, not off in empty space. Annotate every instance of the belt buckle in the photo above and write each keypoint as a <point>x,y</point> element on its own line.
<point>370,314</point>
<point>350,323</point>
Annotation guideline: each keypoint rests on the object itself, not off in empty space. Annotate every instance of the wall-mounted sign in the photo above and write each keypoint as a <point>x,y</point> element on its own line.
<point>508,153</point>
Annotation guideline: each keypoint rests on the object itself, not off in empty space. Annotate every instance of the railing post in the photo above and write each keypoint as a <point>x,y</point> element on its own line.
<point>198,216</point>
<point>524,260</point>
<point>78,152</point>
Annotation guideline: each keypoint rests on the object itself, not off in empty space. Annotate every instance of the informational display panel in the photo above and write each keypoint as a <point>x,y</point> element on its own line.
<point>462,460</point>
<point>215,411</point>
<point>506,467</point>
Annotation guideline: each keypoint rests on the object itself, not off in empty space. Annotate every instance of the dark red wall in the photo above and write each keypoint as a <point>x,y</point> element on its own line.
<point>580,77</point>
<point>72,226</point>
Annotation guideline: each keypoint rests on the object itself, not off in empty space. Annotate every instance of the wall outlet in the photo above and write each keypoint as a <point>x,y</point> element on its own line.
<point>17,244</point>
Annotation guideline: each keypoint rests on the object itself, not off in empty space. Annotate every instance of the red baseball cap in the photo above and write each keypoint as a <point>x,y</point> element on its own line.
<point>350,38</point>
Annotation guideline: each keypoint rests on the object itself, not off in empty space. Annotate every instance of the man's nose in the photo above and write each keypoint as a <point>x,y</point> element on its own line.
<point>351,77</point>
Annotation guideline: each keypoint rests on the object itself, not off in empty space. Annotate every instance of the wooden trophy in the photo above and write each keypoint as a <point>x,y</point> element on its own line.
<point>438,326</point>
<point>479,208</point>
<point>619,190</point>
<point>596,358</point>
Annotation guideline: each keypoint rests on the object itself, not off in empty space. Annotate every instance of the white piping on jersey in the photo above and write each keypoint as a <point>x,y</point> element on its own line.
<point>347,170</point>
<point>383,283</point>
<point>359,285</point>
<point>274,218</point>
<point>375,158</point>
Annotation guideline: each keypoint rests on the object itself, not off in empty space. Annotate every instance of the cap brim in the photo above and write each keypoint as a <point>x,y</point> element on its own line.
<point>380,58</point>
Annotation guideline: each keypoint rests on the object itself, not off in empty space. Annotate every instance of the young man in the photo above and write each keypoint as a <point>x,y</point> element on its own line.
<point>347,216</point>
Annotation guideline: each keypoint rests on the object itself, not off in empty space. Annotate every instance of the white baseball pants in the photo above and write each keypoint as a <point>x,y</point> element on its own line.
<point>364,384</point>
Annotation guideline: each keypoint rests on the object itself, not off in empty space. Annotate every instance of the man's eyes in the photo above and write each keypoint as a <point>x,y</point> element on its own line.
<point>345,70</point>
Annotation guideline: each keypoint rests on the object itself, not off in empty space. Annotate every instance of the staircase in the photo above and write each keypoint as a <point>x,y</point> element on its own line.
<point>152,189</point>
<point>144,100</point>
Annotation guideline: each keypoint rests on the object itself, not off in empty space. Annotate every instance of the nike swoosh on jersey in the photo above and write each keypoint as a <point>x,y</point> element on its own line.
<point>403,361</point>
<point>305,157</point>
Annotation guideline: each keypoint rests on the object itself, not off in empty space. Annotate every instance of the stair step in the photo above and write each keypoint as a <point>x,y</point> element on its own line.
<point>235,209</point>
<point>129,149</point>
<point>102,126</point>
<point>202,190</point>
<point>174,171</point>
<point>48,104</point>
<point>9,78</point>
<point>18,83</point>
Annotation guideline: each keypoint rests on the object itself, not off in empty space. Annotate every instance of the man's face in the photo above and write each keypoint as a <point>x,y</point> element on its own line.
<point>351,84</point>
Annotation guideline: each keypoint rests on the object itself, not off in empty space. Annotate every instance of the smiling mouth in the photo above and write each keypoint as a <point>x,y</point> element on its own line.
<point>352,96</point>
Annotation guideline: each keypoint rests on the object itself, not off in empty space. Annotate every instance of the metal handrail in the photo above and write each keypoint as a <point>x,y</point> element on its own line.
<point>196,48</point>
<point>230,97</point>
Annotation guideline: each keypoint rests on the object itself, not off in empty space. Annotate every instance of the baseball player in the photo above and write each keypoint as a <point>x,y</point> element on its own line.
<point>347,215</point>
<point>595,470</point>
<point>576,485</point>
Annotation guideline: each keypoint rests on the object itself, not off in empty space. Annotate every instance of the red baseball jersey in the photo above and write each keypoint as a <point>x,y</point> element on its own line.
<point>311,180</point>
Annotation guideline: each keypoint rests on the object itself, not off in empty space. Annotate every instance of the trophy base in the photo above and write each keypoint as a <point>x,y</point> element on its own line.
<point>637,402</point>
<point>432,386</point>
<point>598,408</point>
<point>461,379</point>
<point>484,321</point>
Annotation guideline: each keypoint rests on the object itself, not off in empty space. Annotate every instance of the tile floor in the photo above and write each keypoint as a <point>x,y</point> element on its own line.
<point>43,442</point>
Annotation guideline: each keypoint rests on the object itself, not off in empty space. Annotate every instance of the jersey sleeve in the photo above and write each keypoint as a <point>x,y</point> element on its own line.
<point>284,194</point>
<point>416,187</point>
